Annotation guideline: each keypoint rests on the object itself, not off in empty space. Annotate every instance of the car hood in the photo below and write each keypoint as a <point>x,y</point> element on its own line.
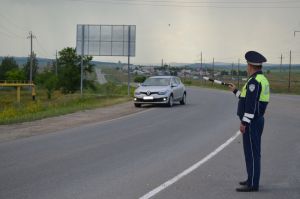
<point>152,88</point>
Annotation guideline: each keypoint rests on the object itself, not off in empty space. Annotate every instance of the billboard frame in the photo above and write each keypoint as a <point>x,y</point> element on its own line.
<point>131,35</point>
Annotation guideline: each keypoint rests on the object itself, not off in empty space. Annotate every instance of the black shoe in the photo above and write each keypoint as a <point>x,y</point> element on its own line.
<point>244,183</point>
<point>246,189</point>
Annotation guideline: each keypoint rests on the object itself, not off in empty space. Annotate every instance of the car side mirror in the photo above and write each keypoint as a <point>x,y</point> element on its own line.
<point>173,85</point>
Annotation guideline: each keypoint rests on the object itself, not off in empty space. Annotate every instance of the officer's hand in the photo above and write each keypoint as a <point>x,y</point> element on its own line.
<point>242,128</point>
<point>231,87</point>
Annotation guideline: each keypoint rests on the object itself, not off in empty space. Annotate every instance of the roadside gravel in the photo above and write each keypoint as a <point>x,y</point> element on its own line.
<point>54,124</point>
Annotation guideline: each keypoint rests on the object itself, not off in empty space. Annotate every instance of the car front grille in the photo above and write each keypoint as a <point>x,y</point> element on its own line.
<point>154,100</point>
<point>150,93</point>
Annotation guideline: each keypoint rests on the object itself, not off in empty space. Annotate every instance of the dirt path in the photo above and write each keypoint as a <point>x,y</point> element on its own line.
<point>48,125</point>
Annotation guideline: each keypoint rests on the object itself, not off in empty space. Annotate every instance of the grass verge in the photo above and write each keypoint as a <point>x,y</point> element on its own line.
<point>277,85</point>
<point>61,104</point>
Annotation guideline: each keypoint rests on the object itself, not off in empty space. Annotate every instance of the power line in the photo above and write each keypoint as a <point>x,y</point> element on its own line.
<point>13,23</point>
<point>237,5</point>
<point>5,34</point>
<point>6,25</point>
<point>197,2</point>
<point>4,28</point>
<point>42,48</point>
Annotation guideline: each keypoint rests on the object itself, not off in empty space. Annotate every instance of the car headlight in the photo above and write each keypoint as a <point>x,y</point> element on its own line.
<point>137,93</point>
<point>162,92</point>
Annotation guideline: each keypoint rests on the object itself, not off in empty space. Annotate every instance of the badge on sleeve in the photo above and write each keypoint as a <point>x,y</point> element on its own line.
<point>251,87</point>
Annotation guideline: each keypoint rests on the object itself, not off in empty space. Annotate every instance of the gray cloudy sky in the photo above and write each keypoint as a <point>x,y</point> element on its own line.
<point>221,29</point>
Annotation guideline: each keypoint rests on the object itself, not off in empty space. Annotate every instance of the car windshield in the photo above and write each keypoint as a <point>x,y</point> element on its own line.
<point>157,82</point>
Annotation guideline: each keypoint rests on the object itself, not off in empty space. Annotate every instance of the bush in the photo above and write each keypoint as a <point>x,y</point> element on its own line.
<point>49,81</point>
<point>15,74</point>
<point>139,79</point>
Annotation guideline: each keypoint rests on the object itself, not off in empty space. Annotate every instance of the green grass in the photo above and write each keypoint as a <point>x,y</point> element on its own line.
<point>117,76</point>
<point>278,82</point>
<point>114,75</point>
<point>28,110</point>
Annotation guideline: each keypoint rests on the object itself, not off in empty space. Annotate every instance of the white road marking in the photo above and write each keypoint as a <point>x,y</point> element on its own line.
<point>189,170</point>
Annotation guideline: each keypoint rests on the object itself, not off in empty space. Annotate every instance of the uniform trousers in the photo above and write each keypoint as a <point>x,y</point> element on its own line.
<point>252,150</point>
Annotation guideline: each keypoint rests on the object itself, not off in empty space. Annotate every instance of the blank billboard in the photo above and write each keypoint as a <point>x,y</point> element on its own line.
<point>106,40</point>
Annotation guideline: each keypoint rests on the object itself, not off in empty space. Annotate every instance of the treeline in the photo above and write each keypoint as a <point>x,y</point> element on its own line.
<point>10,70</point>
<point>63,74</point>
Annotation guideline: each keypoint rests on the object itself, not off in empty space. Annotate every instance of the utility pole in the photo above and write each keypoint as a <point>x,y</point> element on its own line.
<point>31,55</point>
<point>238,73</point>
<point>213,69</point>
<point>280,63</point>
<point>232,71</point>
<point>81,64</point>
<point>205,68</point>
<point>201,62</point>
<point>56,63</point>
<point>290,66</point>
<point>129,49</point>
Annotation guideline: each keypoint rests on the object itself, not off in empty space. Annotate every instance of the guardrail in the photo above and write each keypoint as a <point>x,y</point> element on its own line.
<point>18,84</point>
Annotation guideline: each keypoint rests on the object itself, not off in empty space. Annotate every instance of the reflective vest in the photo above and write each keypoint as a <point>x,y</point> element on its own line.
<point>265,92</point>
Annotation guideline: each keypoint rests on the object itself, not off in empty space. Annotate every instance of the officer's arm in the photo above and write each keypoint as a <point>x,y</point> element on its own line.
<point>237,93</point>
<point>233,88</point>
<point>252,95</point>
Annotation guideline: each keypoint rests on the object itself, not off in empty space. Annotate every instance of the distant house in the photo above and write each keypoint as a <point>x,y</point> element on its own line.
<point>217,74</point>
<point>138,72</point>
<point>132,67</point>
<point>186,71</point>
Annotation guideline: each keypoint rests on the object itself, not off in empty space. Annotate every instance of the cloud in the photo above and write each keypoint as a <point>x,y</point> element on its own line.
<point>218,33</point>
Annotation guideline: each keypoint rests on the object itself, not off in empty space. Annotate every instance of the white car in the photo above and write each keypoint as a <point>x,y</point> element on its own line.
<point>160,90</point>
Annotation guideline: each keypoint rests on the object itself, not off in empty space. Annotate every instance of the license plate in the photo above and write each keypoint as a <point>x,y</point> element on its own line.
<point>148,98</point>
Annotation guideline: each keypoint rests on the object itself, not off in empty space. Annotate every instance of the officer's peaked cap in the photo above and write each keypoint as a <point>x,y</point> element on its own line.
<point>255,58</point>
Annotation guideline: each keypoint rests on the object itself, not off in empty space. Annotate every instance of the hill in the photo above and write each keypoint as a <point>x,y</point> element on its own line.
<point>21,61</point>
<point>43,62</point>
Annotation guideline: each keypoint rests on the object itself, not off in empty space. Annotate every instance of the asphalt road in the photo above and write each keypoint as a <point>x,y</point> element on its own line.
<point>128,157</point>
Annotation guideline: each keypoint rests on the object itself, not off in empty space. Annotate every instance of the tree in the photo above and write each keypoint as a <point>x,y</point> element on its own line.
<point>15,74</point>
<point>8,63</point>
<point>34,67</point>
<point>51,84</point>
<point>234,72</point>
<point>48,80</point>
<point>224,72</point>
<point>69,69</point>
<point>243,73</point>
<point>174,73</point>
<point>139,79</point>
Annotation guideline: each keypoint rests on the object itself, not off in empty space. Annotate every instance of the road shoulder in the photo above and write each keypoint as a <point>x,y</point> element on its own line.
<point>54,124</point>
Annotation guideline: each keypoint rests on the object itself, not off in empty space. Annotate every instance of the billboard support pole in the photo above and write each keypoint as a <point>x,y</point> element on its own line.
<point>129,32</point>
<point>81,65</point>
<point>107,41</point>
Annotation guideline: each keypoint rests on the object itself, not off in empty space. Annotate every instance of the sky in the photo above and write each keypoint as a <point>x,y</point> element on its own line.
<point>172,30</point>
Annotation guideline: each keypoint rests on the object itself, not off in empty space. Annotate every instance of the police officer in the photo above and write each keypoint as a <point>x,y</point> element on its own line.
<point>253,101</point>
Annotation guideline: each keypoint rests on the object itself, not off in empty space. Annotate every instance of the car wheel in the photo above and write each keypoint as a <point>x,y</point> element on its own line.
<point>137,105</point>
<point>171,101</point>
<point>183,100</point>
